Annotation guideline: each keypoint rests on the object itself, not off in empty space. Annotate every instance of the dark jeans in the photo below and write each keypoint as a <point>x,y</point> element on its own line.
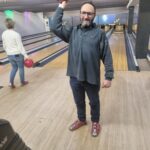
<point>17,61</point>
<point>79,88</point>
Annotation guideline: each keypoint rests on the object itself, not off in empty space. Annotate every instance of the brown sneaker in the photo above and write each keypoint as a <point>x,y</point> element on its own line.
<point>24,83</point>
<point>77,124</point>
<point>96,128</point>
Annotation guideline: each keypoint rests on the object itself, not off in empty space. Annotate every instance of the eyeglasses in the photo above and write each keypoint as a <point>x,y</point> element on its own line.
<point>87,13</point>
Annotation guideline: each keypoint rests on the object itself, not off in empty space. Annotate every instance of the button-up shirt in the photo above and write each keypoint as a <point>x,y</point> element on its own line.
<point>87,46</point>
<point>12,43</point>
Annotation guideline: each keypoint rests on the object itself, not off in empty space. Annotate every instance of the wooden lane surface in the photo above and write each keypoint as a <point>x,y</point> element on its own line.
<point>59,63</point>
<point>36,39</point>
<point>26,40</point>
<point>47,51</point>
<point>117,46</point>
<point>33,40</point>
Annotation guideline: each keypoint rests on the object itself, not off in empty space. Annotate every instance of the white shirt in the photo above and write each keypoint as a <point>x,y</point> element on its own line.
<point>12,43</point>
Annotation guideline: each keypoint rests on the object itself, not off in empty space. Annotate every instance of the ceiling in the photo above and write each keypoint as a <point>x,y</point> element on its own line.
<point>50,5</point>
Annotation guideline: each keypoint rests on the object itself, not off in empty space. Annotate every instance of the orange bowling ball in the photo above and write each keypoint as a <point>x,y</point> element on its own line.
<point>28,63</point>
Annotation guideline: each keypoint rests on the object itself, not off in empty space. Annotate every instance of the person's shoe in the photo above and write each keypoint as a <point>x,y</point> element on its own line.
<point>96,128</point>
<point>77,124</point>
<point>12,85</point>
<point>24,83</point>
<point>1,87</point>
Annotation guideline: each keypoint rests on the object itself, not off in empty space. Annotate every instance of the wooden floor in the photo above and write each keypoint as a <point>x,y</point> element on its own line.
<point>42,111</point>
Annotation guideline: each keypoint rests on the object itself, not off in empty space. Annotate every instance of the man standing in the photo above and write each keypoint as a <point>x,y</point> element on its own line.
<point>87,46</point>
<point>13,46</point>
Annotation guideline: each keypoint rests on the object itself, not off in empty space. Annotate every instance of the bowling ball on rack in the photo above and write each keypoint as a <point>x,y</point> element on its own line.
<point>28,63</point>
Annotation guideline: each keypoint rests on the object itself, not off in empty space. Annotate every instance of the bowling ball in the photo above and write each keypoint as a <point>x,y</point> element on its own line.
<point>60,1</point>
<point>28,63</point>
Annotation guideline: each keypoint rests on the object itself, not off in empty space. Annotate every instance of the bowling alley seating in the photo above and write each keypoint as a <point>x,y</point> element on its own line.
<point>9,139</point>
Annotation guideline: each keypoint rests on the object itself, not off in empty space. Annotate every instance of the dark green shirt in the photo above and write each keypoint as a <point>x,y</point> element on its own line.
<point>87,46</point>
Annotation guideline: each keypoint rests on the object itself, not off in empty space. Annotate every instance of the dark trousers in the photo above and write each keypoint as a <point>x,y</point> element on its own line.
<point>79,88</point>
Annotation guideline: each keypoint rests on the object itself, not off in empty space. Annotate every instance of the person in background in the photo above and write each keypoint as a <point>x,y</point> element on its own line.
<point>14,48</point>
<point>87,46</point>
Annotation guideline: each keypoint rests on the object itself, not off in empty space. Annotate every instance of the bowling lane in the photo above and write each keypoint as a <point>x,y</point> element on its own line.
<point>37,39</point>
<point>28,37</point>
<point>5,69</point>
<point>117,46</point>
<point>31,39</point>
<point>36,35</point>
<point>40,43</point>
<point>58,63</point>
<point>31,46</point>
<point>43,53</point>
<point>118,49</point>
<point>28,41</point>
<point>47,51</point>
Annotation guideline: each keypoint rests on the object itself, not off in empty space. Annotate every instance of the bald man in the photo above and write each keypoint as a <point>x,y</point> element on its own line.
<point>87,46</point>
